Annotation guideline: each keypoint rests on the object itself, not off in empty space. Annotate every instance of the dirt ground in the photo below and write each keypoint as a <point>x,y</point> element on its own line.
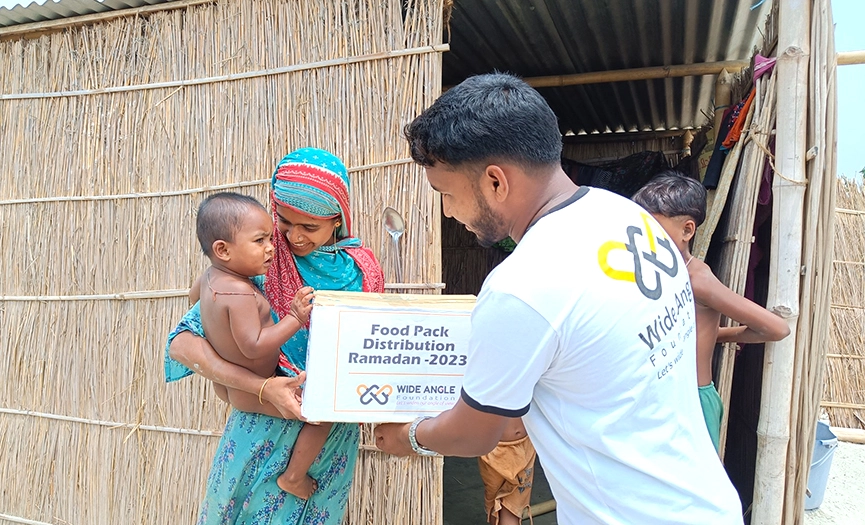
<point>843,503</point>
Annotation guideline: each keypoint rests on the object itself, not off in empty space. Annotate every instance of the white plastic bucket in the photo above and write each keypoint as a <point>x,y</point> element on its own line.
<point>825,443</point>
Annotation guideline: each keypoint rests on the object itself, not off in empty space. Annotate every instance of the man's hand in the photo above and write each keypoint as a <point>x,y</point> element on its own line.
<point>393,439</point>
<point>283,393</point>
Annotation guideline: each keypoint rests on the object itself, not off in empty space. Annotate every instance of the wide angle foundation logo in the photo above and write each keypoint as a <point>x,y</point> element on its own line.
<point>655,258</point>
<point>380,395</point>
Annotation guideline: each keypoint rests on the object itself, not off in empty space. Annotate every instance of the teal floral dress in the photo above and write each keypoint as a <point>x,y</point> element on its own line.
<point>255,449</point>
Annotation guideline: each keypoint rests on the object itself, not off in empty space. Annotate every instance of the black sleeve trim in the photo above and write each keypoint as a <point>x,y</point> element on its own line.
<point>520,412</point>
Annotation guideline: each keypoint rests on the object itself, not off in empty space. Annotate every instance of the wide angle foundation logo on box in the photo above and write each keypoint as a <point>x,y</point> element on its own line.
<point>368,394</point>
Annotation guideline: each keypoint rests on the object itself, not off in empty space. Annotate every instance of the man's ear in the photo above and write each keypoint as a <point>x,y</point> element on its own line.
<point>689,229</point>
<point>495,181</point>
<point>221,251</point>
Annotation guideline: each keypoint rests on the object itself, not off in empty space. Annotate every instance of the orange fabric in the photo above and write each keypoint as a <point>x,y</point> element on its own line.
<point>736,130</point>
<point>508,472</point>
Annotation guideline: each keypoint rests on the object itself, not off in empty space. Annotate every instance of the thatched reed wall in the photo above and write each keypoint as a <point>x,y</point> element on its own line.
<point>844,394</point>
<point>604,148</point>
<point>112,133</point>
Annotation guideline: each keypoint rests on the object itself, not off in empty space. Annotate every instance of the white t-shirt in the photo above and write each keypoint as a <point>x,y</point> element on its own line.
<point>587,331</point>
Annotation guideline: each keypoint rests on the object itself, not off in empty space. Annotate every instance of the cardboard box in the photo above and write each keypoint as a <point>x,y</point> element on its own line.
<point>375,358</point>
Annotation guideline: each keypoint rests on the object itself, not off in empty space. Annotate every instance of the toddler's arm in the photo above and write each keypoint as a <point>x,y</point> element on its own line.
<point>255,341</point>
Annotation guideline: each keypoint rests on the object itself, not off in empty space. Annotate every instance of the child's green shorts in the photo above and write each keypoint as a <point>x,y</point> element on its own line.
<point>713,410</point>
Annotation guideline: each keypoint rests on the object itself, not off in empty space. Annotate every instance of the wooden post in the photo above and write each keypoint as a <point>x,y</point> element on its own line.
<point>788,194</point>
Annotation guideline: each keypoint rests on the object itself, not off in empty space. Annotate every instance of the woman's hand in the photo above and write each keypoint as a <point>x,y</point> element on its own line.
<point>284,394</point>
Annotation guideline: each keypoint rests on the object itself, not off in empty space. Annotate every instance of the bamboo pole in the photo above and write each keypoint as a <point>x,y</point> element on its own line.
<point>849,212</point>
<point>788,187</point>
<point>846,58</point>
<point>639,73</point>
<point>817,255</point>
<point>544,507</point>
<point>187,191</point>
<point>25,521</point>
<point>836,404</point>
<point>112,424</point>
<point>736,250</point>
<point>177,292</point>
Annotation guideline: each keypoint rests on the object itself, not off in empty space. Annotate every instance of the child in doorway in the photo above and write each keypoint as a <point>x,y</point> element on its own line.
<point>678,203</point>
<point>508,472</point>
<point>235,232</point>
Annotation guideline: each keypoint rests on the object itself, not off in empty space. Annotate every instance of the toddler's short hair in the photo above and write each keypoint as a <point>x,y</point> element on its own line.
<point>672,194</point>
<point>220,217</point>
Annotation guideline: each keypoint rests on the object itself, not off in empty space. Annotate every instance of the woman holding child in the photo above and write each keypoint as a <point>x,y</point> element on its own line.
<point>313,247</point>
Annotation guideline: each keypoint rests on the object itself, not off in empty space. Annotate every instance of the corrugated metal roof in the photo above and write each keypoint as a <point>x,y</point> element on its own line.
<point>556,37</point>
<point>13,12</point>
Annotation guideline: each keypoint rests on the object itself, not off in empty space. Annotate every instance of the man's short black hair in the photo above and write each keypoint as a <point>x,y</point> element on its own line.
<point>220,217</point>
<point>672,194</point>
<point>485,118</point>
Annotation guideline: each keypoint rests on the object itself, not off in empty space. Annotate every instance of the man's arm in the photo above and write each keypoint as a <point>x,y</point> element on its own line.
<point>461,431</point>
<point>197,354</point>
<point>758,324</point>
<point>511,346</point>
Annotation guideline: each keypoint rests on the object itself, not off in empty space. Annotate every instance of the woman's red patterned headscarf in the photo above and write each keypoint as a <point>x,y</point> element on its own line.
<point>314,182</point>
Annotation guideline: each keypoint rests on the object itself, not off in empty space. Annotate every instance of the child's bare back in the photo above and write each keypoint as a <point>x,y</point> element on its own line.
<point>707,318</point>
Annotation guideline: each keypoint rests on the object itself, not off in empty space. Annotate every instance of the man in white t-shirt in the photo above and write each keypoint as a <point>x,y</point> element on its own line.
<point>586,330</point>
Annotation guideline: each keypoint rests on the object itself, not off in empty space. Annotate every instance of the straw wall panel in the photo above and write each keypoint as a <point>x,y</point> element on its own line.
<point>88,473</point>
<point>98,193</point>
<point>845,366</point>
<point>592,152</point>
<point>99,360</point>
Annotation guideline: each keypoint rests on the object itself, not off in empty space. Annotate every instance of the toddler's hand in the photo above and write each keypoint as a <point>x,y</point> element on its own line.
<point>301,305</point>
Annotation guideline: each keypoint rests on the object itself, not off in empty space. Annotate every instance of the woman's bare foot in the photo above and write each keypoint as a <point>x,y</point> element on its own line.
<point>302,486</point>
